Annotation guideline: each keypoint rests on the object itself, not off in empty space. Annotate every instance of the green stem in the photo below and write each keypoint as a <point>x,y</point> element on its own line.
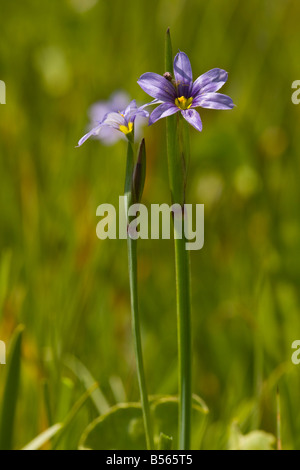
<point>184,342</point>
<point>132,265</point>
<point>182,268</point>
<point>279,446</point>
<point>178,155</point>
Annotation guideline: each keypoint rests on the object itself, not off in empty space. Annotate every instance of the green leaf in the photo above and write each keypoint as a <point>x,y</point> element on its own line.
<point>73,413</point>
<point>44,437</point>
<point>10,395</point>
<point>47,401</point>
<point>117,389</point>
<point>165,418</point>
<point>165,442</point>
<point>88,380</point>
<point>4,277</point>
<point>64,398</point>
<point>122,427</point>
<point>254,440</point>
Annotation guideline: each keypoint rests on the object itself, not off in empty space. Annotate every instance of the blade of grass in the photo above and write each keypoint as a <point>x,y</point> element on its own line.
<point>65,398</point>
<point>165,442</point>
<point>11,390</point>
<point>72,414</point>
<point>278,417</point>
<point>117,388</point>
<point>4,276</point>
<point>84,375</point>
<point>43,438</point>
<point>47,401</point>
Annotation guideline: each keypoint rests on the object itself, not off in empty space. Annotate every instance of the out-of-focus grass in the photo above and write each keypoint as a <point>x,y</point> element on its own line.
<point>70,289</point>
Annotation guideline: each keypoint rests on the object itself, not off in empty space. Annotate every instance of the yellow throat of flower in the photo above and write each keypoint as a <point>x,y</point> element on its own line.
<point>183,102</point>
<point>126,130</point>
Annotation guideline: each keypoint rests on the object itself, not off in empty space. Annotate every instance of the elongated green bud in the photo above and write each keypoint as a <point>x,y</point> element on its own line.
<point>139,174</point>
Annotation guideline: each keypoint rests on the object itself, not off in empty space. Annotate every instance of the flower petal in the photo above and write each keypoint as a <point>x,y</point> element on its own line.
<point>117,101</point>
<point>93,132</point>
<point>210,81</point>
<point>139,112</point>
<point>163,110</point>
<point>130,108</point>
<point>114,120</point>
<point>157,86</point>
<point>183,74</point>
<point>110,136</point>
<point>193,118</point>
<point>213,101</point>
<point>132,111</point>
<point>151,103</point>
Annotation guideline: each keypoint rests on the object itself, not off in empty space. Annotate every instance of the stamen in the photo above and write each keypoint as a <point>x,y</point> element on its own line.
<point>126,130</point>
<point>184,103</point>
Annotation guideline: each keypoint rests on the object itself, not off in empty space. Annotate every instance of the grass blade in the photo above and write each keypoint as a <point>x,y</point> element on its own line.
<point>44,437</point>
<point>84,375</point>
<point>278,414</point>
<point>10,395</point>
<point>47,401</point>
<point>73,413</point>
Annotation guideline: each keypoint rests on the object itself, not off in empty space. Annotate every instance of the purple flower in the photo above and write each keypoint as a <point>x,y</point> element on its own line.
<point>121,122</point>
<point>182,94</point>
<point>117,101</point>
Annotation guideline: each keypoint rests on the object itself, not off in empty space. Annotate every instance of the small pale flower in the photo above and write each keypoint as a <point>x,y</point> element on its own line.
<point>117,101</point>
<point>182,94</point>
<point>121,122</point>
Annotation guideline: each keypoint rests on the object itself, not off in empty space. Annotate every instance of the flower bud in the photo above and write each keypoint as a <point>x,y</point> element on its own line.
<point>139,174</point>
<point>168,76</point>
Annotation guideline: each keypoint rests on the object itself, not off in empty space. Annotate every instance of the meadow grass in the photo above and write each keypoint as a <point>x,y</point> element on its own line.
<point>70,290</point>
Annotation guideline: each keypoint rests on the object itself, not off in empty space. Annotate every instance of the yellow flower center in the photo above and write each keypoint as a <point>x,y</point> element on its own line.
<point>126,130</point>
<point>183,102</point>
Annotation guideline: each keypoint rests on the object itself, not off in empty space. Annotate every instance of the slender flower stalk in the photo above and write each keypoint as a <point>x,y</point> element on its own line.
<point>132,266</point>
<point>177,95</point>
<point>176,152</point>
<point>123,122</point>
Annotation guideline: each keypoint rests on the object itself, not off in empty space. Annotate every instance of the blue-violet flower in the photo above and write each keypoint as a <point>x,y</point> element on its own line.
<point>114,123</point>
<point>183,94</point>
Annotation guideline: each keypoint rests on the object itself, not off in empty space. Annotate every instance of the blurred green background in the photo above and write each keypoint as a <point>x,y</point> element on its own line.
<point>70,290</point>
